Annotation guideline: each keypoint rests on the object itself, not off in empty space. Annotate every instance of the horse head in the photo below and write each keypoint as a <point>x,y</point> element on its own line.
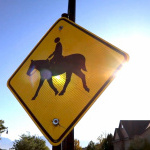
<point>31,68</point>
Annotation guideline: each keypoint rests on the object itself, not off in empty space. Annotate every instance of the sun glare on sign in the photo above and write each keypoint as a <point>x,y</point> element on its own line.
<point>57,77</point>
<point>60,79</point>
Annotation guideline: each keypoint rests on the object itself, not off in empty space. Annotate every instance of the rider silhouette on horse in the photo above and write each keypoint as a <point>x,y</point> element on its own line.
<point>58,65</point>
<point>57,54</point>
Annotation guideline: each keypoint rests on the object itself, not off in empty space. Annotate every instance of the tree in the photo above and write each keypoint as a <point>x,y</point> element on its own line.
<point>101,140</point>
<point>107,143</point>
<point>2,127</point>
<point>91,146</point>
<point>28,142</point>
<point>77,145</point>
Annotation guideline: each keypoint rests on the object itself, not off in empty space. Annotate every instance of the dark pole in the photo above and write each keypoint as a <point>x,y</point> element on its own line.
<point>72,9</point>
<point>68,143</point>
<point>56,147</point>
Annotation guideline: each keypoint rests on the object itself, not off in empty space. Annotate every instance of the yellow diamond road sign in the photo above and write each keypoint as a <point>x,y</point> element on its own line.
<point>63,76</point>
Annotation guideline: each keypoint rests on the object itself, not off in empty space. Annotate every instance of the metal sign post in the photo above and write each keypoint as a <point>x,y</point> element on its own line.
<point>71,10</point>
<point>56,147</point>
<point>68,143</point>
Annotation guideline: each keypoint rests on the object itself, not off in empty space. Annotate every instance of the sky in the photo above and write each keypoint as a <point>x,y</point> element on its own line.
<point>124,23</point>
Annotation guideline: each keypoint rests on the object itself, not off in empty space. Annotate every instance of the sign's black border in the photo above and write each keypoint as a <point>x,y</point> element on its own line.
<point>90,102</point>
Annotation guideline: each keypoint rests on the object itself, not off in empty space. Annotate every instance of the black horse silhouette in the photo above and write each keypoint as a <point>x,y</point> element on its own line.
<point>70,64</point>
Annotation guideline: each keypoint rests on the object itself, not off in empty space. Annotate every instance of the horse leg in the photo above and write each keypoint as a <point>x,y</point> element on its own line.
<point>37,91</point>
<point>52,86</point>
<point>82,76</point>
<point>68,78</point>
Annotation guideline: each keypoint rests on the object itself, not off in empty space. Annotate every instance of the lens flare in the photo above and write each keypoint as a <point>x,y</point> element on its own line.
<point>34,78</point>
<point>46,74</point>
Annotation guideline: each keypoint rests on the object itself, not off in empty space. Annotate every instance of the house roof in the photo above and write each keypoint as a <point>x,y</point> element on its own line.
<point>120,135</point>
<point>134,127</point>
<point>129,128</point>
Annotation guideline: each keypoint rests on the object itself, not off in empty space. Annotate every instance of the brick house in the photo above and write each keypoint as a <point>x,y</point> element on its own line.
<point>128,130</point>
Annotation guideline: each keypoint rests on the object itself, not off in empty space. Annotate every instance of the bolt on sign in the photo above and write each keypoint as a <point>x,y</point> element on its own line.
<point>63,76</point>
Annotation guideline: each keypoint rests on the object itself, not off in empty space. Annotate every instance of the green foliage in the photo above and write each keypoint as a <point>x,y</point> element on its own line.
<point>77,145</point>
<point>28,142</point>
<point>91,146</point>
<point>139,144</point>
<point>107,143</point>
<point>2,127</point>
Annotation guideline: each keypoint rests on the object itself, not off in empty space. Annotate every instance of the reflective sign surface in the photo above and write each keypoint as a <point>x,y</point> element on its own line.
<point>63,76</point>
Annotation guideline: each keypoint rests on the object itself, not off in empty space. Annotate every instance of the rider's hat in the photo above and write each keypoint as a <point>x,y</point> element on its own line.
<point>57,40</point>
